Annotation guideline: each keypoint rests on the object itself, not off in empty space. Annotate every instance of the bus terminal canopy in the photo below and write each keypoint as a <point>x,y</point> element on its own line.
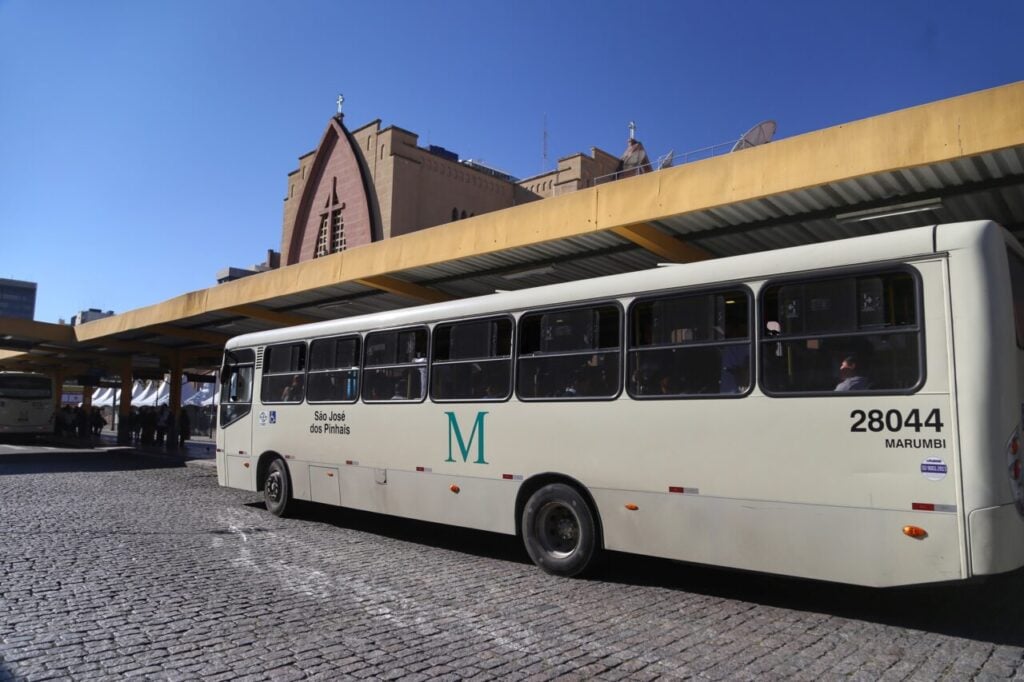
<point>947,161</point>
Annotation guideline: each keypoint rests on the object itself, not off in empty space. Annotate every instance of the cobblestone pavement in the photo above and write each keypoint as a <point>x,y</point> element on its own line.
<point>114,565</point>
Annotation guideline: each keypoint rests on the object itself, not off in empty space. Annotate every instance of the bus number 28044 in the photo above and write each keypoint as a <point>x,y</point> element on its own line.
<point>877,421</point>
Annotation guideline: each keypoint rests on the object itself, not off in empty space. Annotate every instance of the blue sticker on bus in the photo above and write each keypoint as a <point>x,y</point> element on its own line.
<point>934,469</point>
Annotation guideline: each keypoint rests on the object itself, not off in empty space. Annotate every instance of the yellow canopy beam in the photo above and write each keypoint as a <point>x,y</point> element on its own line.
<point>267,315</point>
<point>660,244</point>
<point>38,331</point>
<point>393,285</point>
<point>201,335</point>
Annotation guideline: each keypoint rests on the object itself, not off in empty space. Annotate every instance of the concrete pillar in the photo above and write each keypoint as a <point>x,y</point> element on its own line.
<point>124,407</point>
<point>58,394</point>
<point>87,392</point>
<point>174,400</point>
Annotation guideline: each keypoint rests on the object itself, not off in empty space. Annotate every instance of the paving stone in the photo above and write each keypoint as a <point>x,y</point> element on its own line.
<point>116,566</point>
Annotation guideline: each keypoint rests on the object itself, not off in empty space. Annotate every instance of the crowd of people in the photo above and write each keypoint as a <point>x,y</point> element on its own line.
<point>146,425</point>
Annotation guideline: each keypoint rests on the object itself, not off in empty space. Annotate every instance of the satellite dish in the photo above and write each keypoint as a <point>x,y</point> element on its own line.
<point>759,134</point>
<point>666,161</point>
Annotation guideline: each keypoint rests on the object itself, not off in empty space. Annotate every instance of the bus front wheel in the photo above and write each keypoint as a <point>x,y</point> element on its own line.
<point>277,492</point>
<point>559,530</point>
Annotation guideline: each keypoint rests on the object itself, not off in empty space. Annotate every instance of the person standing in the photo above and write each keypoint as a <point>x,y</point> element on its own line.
<point>184,427</point>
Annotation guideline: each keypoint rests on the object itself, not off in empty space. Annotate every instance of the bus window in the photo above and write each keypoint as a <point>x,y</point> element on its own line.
<point>284,378</point>
<point>1017,286</point>
<point>569,354</point>
<point>333,370</point>
<point>839,334</point>
<point>16,386</point>
<point>236,385</point>
<point>690,344</point>
<point>472,360</point>
<point>395,365</point>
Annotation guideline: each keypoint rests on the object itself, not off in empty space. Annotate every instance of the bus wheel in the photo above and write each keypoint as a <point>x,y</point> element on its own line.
<point>559,530</point>
<point>277,492</point>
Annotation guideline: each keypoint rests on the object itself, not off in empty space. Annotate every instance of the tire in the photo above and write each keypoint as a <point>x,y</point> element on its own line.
<point>559,530</point>
<point>277,488</point>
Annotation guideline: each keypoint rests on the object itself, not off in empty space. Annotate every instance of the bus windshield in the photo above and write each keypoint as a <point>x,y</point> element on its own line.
<point>25,387</point>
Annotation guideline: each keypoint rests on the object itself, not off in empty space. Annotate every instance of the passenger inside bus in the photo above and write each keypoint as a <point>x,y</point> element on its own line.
<point>293,392</point>
<point>851,375</point>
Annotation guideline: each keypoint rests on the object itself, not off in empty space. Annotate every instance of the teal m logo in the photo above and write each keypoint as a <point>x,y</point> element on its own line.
<point>465,446</point>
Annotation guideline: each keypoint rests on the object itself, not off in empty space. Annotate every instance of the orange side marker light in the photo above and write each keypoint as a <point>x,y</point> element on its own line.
<point>915,532</point>
<point>632,507</point>
<point>454,488</point>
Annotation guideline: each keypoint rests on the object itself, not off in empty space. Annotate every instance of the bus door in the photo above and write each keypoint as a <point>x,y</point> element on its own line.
<point>234,424</point>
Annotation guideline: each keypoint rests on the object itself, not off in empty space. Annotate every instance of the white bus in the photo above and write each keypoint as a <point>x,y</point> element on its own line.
<point>27,405</point>
<point>846,411</point>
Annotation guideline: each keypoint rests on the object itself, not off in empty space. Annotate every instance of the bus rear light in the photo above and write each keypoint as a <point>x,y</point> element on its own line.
<point>931,507</point>
<point>631,507</point>
<point>1013,470</point>
<point>454,488</point>
<point>915,532</point>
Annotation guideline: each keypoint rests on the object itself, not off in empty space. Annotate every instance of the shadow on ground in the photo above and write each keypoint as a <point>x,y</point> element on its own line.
<point>988,610</point>
<point>49,462</point>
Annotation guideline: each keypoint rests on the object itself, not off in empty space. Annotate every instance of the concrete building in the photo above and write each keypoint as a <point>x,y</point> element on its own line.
<point>89,315</point>
<point>230,273</point>
<point>374,183</point>
<point>17,299</point>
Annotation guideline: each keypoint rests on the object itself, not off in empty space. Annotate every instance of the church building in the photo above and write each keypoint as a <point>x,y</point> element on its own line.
<point>370,183</point>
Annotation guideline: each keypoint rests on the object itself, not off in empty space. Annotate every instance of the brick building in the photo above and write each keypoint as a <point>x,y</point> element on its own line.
<point>373,183</point>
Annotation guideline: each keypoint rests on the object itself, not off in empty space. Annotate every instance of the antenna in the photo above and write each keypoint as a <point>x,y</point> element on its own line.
<point>544,161</point>
<point>759,134</point>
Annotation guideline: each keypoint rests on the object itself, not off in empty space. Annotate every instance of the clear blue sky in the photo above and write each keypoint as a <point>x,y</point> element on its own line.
<point>144,145</point>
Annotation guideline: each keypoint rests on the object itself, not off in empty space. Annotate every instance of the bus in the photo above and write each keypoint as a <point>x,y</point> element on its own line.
<point>26,404</point>
<point>846,411</point>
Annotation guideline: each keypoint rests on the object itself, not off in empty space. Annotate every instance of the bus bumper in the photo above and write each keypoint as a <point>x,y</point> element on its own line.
<point>996,539</point>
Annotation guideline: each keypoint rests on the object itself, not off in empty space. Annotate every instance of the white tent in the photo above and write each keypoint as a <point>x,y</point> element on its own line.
<point>145,397</point>
<point>155,392</point>
<point>101,396</point>
<point>201,398</point>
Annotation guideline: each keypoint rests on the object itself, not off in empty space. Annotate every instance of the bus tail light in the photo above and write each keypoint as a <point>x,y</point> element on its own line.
<point>1014,468</point>
<point>915,532</point>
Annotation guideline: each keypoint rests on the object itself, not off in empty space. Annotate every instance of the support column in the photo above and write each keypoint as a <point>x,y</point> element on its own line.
<point>58,395</point>
<point>83,422</point>
<point>174,400</point>
<point>124,408</point>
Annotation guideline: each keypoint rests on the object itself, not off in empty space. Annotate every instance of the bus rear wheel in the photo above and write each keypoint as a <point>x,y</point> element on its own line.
<point>559,530</point>
<point>277,489</point>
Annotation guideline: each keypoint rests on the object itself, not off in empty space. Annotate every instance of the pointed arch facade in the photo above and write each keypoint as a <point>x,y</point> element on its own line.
<point>336,207</point>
